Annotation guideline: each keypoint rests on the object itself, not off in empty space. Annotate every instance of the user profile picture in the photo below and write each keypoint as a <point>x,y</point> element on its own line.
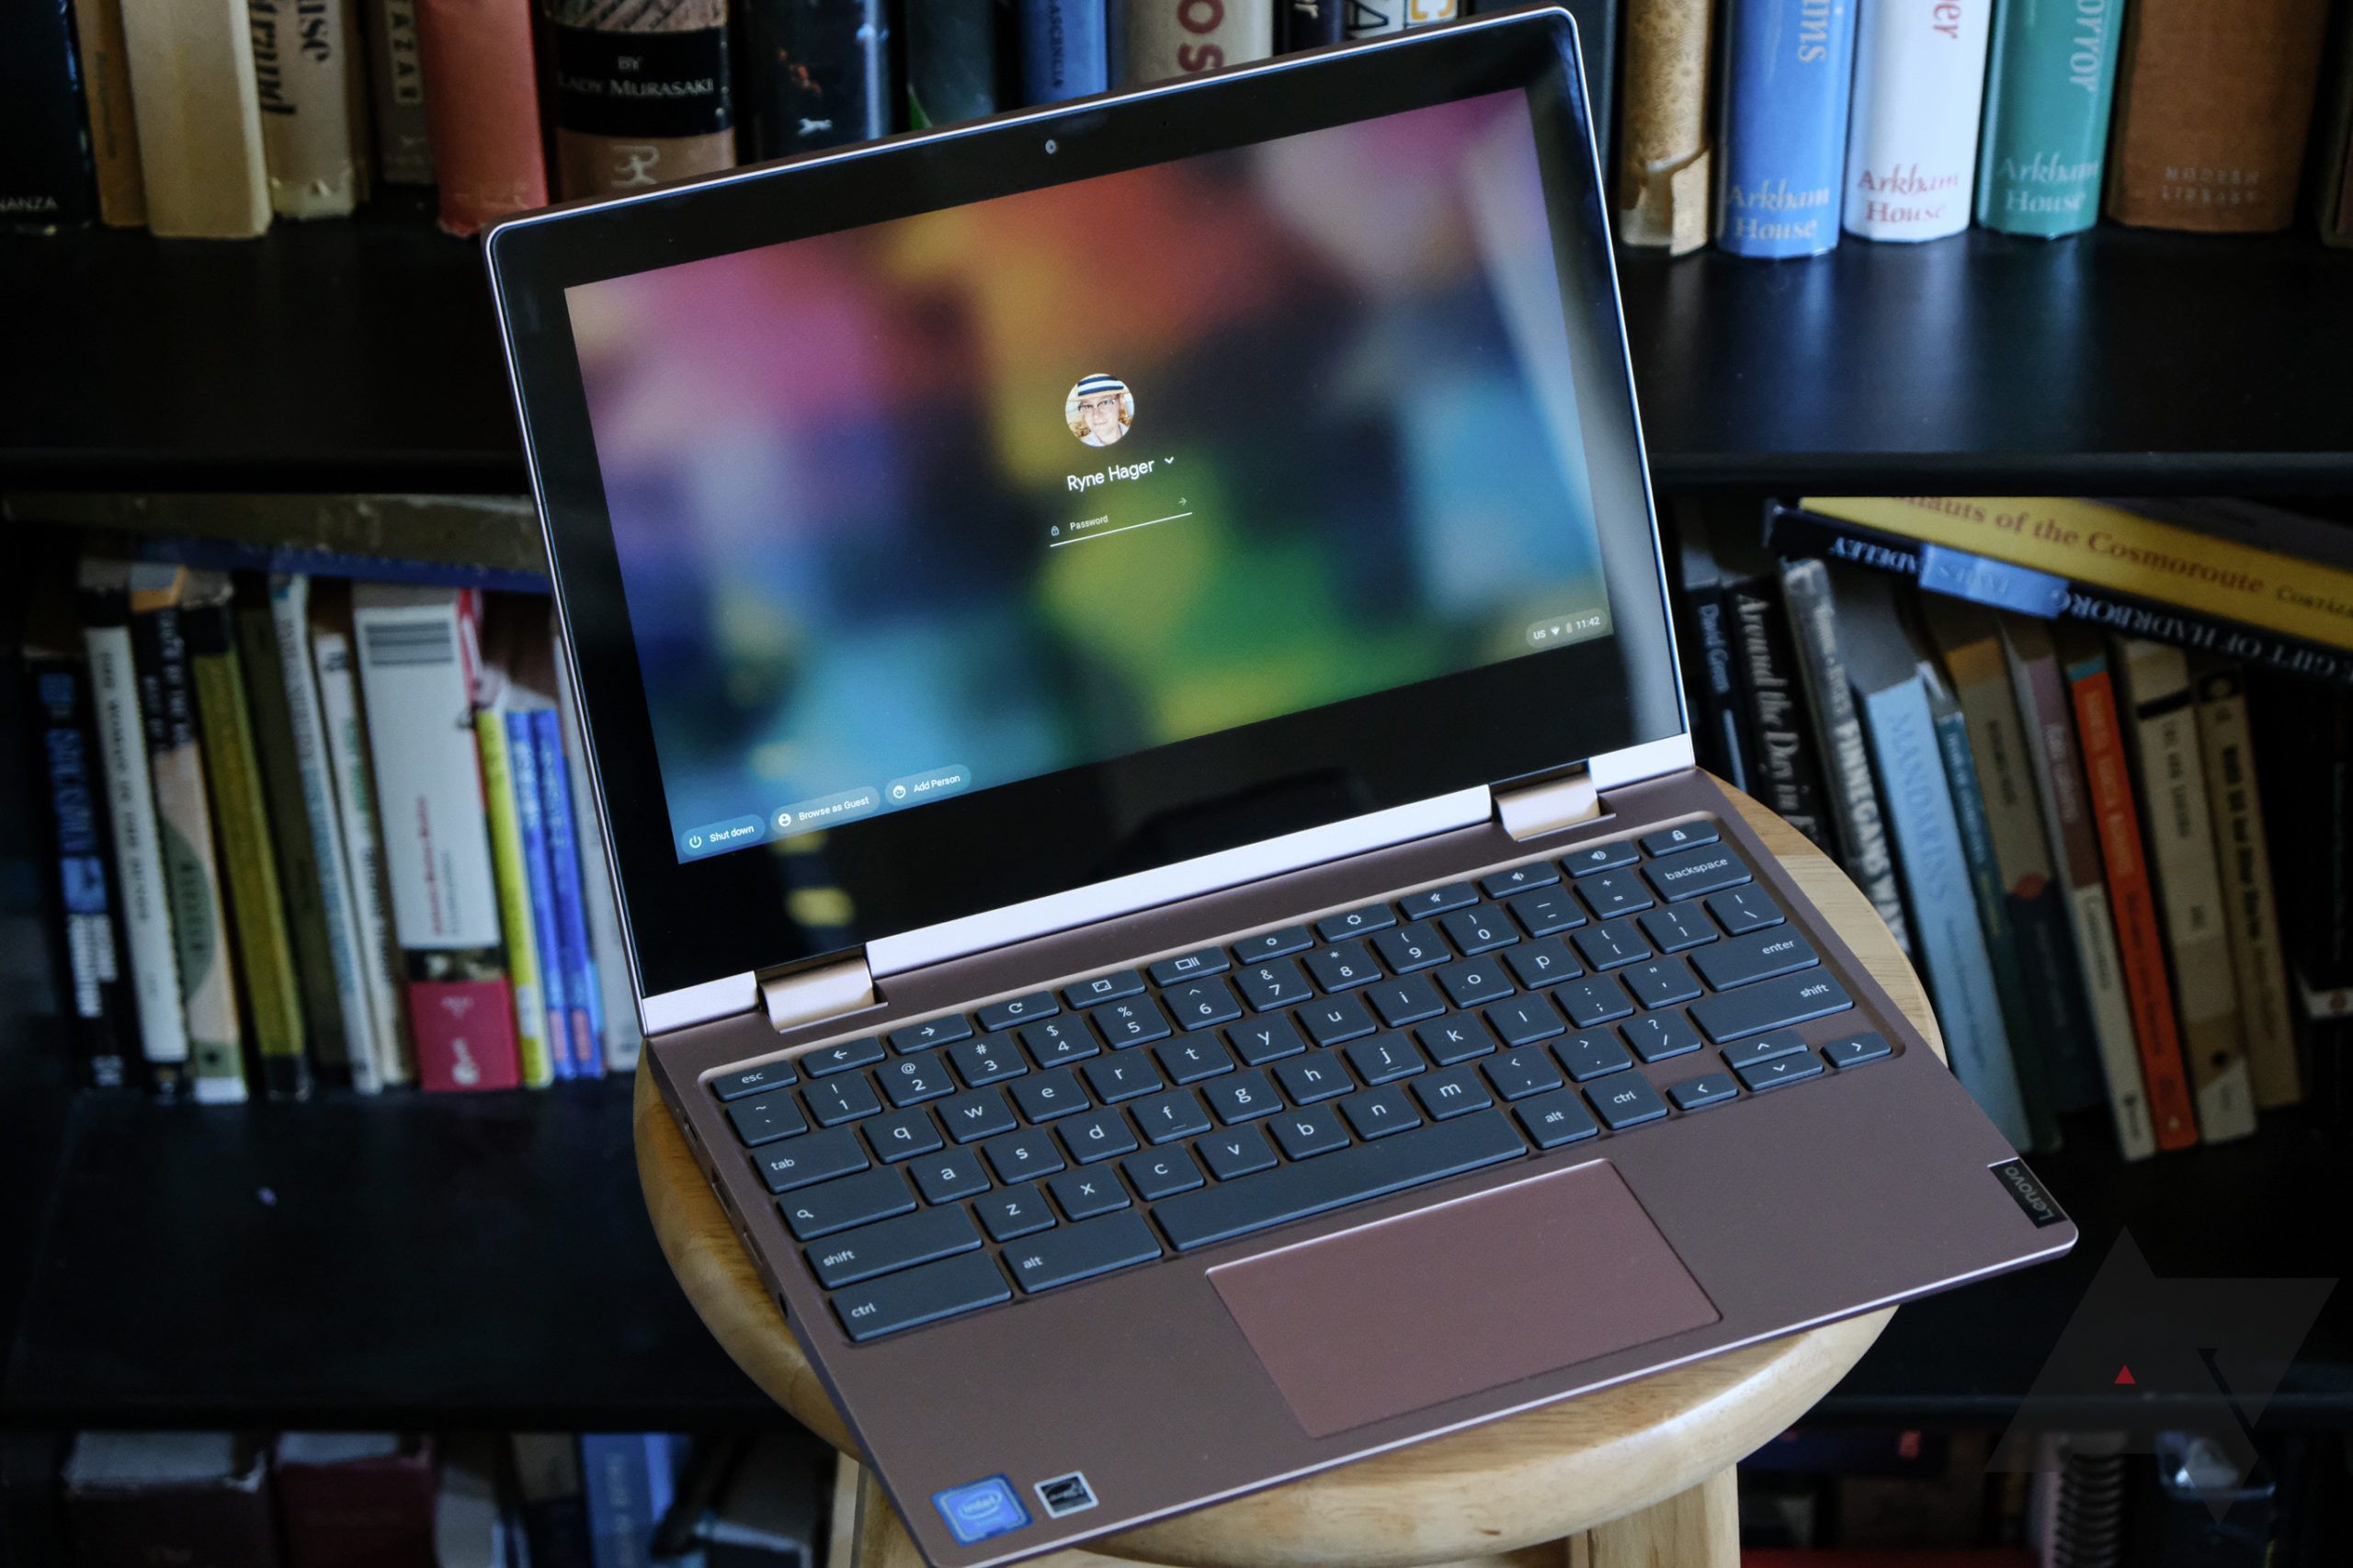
<point>1100,410</point>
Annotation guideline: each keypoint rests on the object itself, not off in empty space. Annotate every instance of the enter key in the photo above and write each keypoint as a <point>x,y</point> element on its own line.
<point>1761,955</point>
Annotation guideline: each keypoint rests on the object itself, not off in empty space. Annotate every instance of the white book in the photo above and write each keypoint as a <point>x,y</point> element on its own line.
<point>1912,135</point>
<point>355,794</point>
<point>623,1036</point>
<point>289,614</point>
<point>138,849</point>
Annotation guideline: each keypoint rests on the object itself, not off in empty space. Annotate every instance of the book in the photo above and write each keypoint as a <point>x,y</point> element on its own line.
<point>351,778</point>
<point>1664,172</point>
<point>629,1478</point>
<point>46,180</point>
<point>2049,83</point>
<point>199,113</point>
<point>1308,24</point>
<point>136,835</point>
<point>184,819</point>
<point>958,56</point>
<point>555,1510</point>
<point>623,1036</point>
<point>2178,828</point>
<point>418,660</point>
<point>1165,38</point>
<point>2303,739</point>
<point>815,73</point>
<point>136,1499</point>
<point>347,1499</point>
<point>1911,137</point>
<point>1892,692</point>
<point>471,1528</point>
<point>2048,722</point>
<point>584,999</point>
<point>1722,728</point>
<point>1062,50</point>
<point>2243,856</point>
<point>1788,76</point>
<point>1371,19</point>
<point>241,817</point>
<point>114,130</point>
<point>2213,102</point>
<point>396,90</point>
<point>642,94</point>
<point>1784,770</point>
<point>482,107</point>
<point>531,833</point>
<point>515,895</point>
<point>2332,175</point>
<point>1853,796</point>
<point>303,76</point>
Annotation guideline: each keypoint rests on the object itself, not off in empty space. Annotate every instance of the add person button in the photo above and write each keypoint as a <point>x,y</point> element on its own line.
<point>809,816</point>
<point>720,835</point>
<point>923,785</point>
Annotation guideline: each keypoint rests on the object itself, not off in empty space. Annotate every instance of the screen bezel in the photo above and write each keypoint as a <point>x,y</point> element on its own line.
<point>693,922</point>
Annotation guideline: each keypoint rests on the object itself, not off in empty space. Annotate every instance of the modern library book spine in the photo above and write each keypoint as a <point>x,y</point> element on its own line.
<point>815,73</point>
<point>499,783</point>
<point>642,93</point>
<point>199,110</point>
<point>2243,856</point>
<point>66,750</point>
<point>114,127</point>
<point>1062,50</point>
<point>530,826</point>
<point>397,88</point>
<point>482,106</point>
<point>1166,39</point>
<point>350,782</point>
<point>310,128</point>
<point>1789,73</point>
<point>583,1000</point>
<point>1912,138</point>
<point>45,179</point>
<point>2050,81</point>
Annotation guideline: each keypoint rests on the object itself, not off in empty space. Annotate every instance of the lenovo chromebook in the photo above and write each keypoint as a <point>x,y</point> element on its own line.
<point>1127,664</point>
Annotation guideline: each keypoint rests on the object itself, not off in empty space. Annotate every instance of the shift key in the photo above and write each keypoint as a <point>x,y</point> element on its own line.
<point>1769,1004</point>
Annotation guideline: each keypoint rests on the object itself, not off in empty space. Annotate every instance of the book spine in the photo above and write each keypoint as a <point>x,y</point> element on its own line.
<point>1853,796</point>
<point>403,131</point>
<point>483,109</point>
<point>618,1479</point>
<point>498,785</point>
<point>814,75</point>
<point>2140,946</point>
<point>1372,18</point>
<point>45,180</point>
<point>198,111</point>
<point>353,779</point>
<point>642,93</point>
<point>1308,24</point>
<point>2049,80</point>
<point>583,1000</point>
<point>2214,104</point>
<point>1912,139</point>
<point>265,954</point>
<point>114,131</point>
<point>531,820</point>
<point>1183,38</point>
<point>1061,49</point>
<point>1784,771</point>
<point>302,77</point>
<point>956,61</point>
<point>2332,181</point>
<point>1789,73</point>
<point>623,1038</point>
<point>1663,165</point>
<point>66,748</point>
<point>2250,913</point>
<point>1719,686</point>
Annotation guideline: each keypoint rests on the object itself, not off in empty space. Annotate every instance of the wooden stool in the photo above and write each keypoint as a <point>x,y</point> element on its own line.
<point>1635,1476</point>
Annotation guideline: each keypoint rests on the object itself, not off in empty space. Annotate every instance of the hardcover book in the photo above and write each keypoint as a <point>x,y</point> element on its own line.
<point>816,74</point>
<point>351,777</point>
<point>403,131</point>
<point>623,1039</point>
<point>959,56</point>
<point>198,111</point>
<point>1062,50</point>
<point>1308,24</point>
<point>2049,80</point>
<point>114,130</point>
<point>2243,856</point>
<point>641,94</point>
<point>45,181</point>
<point>356,1499</point>
<point>1789,73</point>
<point>584,999</point>
<point>507,853</point>
<point>1723,707</point>
<point>1912,138</point>
<point>1664,171</point>
<point>136,1499</point>
<point>305,77</point>
<point>1785,771</point>
<point>1371,19</point>
<point>1182,37</point>
<point>482,106</point>
<point>539,882</point>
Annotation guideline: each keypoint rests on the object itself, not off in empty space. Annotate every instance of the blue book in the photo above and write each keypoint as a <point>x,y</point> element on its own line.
<point>583,996</point>
<point>1788,76</point>
<point>630,1479</point>
<point>1062,51</point>
<point>530,821</point>
<point>1884,666</point>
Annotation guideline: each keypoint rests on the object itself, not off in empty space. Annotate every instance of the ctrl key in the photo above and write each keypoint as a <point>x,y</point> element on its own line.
<point>917,1296</point>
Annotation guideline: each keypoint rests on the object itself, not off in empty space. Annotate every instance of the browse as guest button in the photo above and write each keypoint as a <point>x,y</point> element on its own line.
<point>923,786</point>
<point>718,836</point>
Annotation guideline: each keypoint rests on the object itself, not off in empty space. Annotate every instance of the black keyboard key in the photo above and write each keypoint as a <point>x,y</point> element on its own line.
<point>1780,1043</point>
<point>1049,1095</point>
<point>1555,1119</point>
<point>1334,1019</point>
<point>1023,1156</point>
<point>1547,912</point>
<point>1273,945</point>
<point>1377,1113</point>
<point>1478,929</point>
<point>827,1059</point>
<point>1112,987</point>
<point>1137,1022</point>
<point>1203,1003</point>
<point>1770,1004</point>
<point>1761,955</point>
<point>911,1080</point>
<point>1661,982</point>
<point>1519,1074</point>
<point>1082,1195</point>
<point>1018,1010</point>
<point>818,1156</point>
<point>931,1032</point>
<point>1599,857</point>
<point>1406,1000</point>
<point>1177,1114</point>
<point>1854,1051</point>
<point>945,1177</point>
<point>1184,967</point>
<point>916,1296</point>
<point>1458,1091</point>
<point>1308,1131</point>
<point>981,1114</point>
<point>1458,1039</point>
<point>1237,1152</point>
<point>1409,947</point>
<point>1192,1058</point>
<point>1654,1037</point>
<point>1743,910</point>
<point>1520,878</point>
<point>1475,982</point>
<point>1295,1191</point>
<point>1098,1135</point>
<point>874,1250</point>
<point>1524,1020</point>
<point>837,1100</point>
<point>1430,902</point>
<point>1317,1077</point>
<point>1775,1071</point>
<point>1625,1100</point>
<point>763,1121</point>
<point>1676,927</point>
<point>1708,1089</point>
<point>1585,1057</point>
<point>1691,872</point>
<point>1123,1077</point>
<point>1017,1212</point>
<point>1343,966</point>
<point>752,1080</point>
<point>991,1059</point>
<point>845,1202</point>
<point>1356,923</point>
<point>1682,836</point>
<point>901,1135</point>
<point>1544,962</point>
<point>1612,944</point>
<point>1156,1174</point>
<point>1260,1040</point>
<point>1383,1058</point>
<point>1270,985</point>
<point>1589,1002</point>
<point>1081,1252</point>
<point>1243,1098</point>
<point>1057,1043</point>
<point>1612,893</point>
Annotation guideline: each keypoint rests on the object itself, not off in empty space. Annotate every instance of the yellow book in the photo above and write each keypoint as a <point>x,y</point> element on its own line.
<point>2106,547</point>
<point>513,900</point>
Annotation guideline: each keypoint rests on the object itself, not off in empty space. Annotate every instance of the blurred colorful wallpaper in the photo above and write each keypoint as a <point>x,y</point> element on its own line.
<point>859,540</point>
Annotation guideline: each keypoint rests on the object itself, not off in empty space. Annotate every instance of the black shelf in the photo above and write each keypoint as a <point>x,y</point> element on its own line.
<point>358,356</point>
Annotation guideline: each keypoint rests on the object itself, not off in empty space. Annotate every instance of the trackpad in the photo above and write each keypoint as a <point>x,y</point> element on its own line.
<point>1408,1312</point>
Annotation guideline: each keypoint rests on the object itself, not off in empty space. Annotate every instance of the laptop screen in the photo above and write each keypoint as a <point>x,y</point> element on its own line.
<point>935,505</point>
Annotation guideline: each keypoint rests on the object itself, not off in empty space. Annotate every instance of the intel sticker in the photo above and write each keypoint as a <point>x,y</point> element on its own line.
<point>981,1509</point>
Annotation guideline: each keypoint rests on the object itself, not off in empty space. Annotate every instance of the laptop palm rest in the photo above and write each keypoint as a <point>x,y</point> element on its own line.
<point>1461,1297</point>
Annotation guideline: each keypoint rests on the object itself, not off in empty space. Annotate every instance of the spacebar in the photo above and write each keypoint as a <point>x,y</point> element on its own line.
<point>1327,1181</point>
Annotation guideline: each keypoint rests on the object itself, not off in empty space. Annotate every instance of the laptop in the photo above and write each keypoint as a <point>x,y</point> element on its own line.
<point>1127,665</point>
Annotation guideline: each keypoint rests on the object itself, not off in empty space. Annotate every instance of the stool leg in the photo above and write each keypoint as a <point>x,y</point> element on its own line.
<point>882,1540</point>
<point>1698,1529</point>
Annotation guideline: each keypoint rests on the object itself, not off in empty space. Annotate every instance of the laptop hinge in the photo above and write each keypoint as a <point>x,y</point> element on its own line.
<point>804,997</point>
<point>1563,801</point>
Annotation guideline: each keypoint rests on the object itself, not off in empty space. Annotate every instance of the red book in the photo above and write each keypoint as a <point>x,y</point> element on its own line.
<point>355,1500</point>
<point>482,103</point>
<point>2140,943</point>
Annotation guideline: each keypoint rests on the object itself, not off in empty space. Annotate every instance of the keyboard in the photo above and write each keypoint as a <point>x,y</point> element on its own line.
<point>969,1159</point>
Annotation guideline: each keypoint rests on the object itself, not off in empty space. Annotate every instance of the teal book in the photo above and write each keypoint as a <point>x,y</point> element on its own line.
<point>2049,80</point>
